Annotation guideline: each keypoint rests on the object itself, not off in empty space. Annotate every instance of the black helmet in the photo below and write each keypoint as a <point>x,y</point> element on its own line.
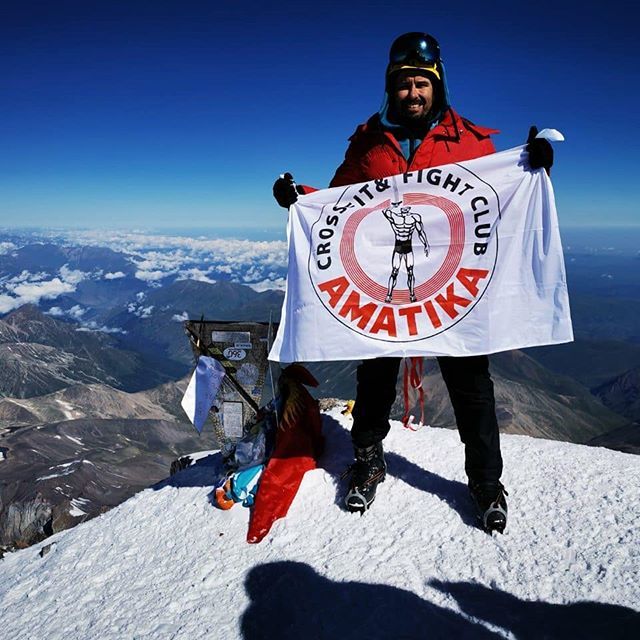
<point>417,51</point>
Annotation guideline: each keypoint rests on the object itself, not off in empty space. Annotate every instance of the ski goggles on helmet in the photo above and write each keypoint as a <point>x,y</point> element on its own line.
<point>415,51</point>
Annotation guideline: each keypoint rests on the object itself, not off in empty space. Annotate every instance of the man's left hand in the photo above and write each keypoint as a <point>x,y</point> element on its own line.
<point>539,150</point>
<point>286,191</point>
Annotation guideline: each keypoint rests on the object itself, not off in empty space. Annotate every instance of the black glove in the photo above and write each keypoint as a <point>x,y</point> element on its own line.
<point>286,191</point>
<point>540,151</point>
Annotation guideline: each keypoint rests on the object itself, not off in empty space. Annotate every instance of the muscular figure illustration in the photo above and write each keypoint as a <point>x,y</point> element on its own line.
<point>404,223</point>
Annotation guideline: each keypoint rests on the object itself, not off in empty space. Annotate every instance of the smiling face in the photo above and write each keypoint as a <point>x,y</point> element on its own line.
<point>412,96</point>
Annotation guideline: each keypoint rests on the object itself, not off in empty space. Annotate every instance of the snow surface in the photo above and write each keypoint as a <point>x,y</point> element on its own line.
<point>167,564</point>
<point>76,507</point>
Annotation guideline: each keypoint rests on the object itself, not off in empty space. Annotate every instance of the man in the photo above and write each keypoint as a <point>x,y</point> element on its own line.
<point>416,128</point>
<point>404,224</point>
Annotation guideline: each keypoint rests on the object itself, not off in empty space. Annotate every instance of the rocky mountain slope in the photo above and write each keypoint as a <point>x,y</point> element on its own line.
<point>589,362</point>
<point>530,399</point>
<point>161,334</point>
<point>622,394</point>
<point>94,400</point>
<point>56,475</point>
<point>625,439</point>
<point>71,454</point>
<point>40,354</point>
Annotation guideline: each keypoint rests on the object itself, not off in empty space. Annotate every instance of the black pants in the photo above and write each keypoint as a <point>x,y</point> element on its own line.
<point>471,392</point>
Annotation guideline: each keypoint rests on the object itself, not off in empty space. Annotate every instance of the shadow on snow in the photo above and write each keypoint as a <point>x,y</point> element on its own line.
<point>338,456</point>
<point>290,600</point>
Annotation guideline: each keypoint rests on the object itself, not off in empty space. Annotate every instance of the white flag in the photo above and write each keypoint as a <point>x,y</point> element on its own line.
<point>457,260</point>
<point>202,390</point>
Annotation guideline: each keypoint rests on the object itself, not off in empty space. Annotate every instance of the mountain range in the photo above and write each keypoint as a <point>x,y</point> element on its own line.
<point>47,256</point>
<point>160,333</point>
<point>530,399</point>
<point>72,453</point>
<point>622,394</point>
<point>40,354</point>
<point>104,365</point>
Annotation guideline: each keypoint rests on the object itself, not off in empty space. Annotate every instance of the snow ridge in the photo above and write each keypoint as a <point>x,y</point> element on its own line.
<point>167,564</point>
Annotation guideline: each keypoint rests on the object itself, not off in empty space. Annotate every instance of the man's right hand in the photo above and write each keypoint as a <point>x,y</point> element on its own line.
<point>286,191</point>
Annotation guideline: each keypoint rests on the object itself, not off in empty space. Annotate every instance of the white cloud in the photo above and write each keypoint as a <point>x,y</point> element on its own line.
<point>278,284</point>
<point>168,253</point>
<point>180,318</point>
<point>56,311</point>
<point>7,247</point>
<point>76,312</point>
<point>151,275</point>
<point>72,276</point>
<point>195,274</point>
<point>32,293</point>
<point>8,303</point>
<point>157,258</point>
<point>26,276</point>
<point>252,273</point>
<point>94,326</point>
<point>114,276</point>
<point>139,310</point>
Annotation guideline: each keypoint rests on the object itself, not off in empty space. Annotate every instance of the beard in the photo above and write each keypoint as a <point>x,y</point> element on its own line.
<point>414,113</point>
<point>415,109</point>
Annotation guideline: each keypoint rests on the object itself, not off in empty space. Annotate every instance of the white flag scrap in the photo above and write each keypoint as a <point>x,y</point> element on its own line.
<point>462,259</point>
<point>202,390</point>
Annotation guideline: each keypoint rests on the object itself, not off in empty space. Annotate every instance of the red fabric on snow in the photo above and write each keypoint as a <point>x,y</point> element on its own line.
<point>299,443</point>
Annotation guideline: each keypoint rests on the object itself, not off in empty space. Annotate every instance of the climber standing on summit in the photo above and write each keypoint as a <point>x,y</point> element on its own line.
<point>416,128</point>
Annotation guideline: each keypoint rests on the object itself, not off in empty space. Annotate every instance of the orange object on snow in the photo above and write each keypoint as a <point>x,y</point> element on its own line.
<point>222,499</point>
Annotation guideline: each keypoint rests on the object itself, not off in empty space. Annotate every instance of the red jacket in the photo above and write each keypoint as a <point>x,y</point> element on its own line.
<point>374,153</point>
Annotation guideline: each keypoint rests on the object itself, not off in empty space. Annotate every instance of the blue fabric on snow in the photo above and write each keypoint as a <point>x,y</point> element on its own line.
<point>244,485</point>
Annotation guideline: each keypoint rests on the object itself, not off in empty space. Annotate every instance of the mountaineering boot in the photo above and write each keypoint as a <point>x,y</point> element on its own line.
<point>367,471</point>
<point>491,504</point>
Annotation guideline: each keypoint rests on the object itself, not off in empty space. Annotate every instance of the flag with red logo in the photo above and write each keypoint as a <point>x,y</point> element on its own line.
<point>457,260</point>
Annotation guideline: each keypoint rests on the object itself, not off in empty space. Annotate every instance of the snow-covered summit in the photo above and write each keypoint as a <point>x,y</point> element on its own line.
<point>167,564</point>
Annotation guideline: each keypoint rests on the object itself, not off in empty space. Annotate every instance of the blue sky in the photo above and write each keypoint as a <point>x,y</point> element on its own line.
<point>158,114</point>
